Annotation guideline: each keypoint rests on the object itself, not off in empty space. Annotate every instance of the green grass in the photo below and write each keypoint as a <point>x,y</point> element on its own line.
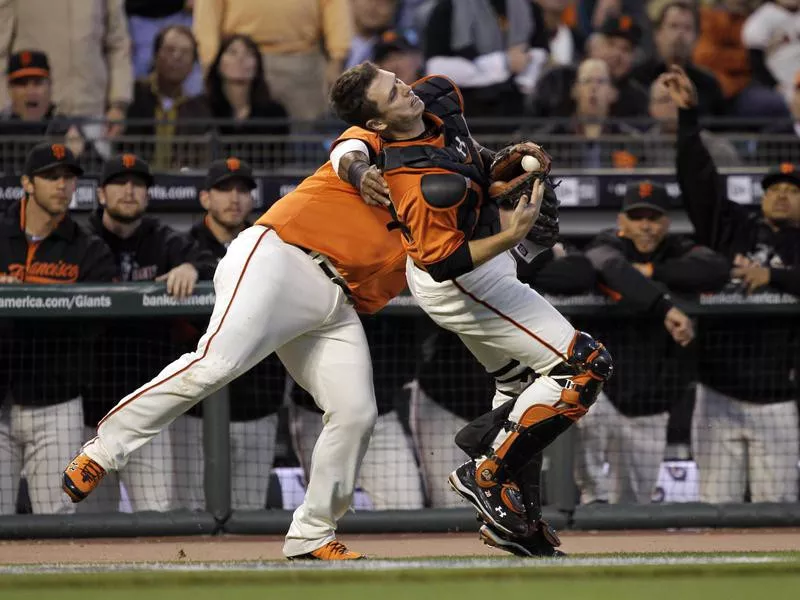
<point>753,581</point>
<point>728,587</point>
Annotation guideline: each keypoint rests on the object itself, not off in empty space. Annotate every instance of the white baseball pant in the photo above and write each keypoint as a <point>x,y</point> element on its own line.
<point>499,319</point>
<point>38,441</point>
<point>252,455</point>
<point>633,447</point>
<point>148,479</point>
<point>434,428</point>
<point>389,473</point>
<point>734,442</point>
<point>271,297</point>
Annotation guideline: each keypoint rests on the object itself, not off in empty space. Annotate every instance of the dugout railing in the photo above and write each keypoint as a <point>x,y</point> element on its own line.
<point>86,309</point>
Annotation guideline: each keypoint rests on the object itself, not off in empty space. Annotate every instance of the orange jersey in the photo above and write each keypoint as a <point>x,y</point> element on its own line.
<point>327,215</point>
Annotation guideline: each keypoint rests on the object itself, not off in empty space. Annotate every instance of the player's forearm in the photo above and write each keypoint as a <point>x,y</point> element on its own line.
<point>487,248</point>
<point>352,167</point>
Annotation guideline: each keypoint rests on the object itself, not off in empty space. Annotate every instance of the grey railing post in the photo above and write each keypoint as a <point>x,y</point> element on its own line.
<point>217,454</point>
<point>560,456</point>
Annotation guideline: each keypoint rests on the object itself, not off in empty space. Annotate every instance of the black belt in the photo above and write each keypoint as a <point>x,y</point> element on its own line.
<point>322,262</point>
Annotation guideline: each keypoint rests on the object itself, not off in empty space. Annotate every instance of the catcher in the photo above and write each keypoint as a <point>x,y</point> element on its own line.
<point>447,205</point>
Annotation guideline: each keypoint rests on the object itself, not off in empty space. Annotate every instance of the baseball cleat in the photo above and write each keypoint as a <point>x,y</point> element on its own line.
<point>331,551</point>
<point>81,477</point>
<point>542,543</point>
<point>499,504</point>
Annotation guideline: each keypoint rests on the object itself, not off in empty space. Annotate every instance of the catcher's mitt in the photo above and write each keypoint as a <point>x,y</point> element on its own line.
<point>510,182</point>
<point>545,229</point>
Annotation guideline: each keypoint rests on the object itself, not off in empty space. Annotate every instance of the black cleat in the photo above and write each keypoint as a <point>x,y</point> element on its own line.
<point>499,505</point>
<point>542,543</point>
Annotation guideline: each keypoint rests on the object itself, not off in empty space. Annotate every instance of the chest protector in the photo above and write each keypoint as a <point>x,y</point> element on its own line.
<point>459,155</point>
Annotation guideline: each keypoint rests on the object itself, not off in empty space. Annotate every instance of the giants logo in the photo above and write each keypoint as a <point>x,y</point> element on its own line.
<point>233,164</point>
<point>26,58</point>
<point>128,161</point>
<point>59,151</point>
<point>645,189</point>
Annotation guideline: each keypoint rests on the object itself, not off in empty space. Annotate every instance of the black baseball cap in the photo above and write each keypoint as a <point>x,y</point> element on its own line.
<point>646,194</point>
<point>229,168</point>
<point>622,26</point>
<point>45,156</point>
<point>126,164</point>
<point>784,172</point>
<point>389,42</point>
<point>27,63</point>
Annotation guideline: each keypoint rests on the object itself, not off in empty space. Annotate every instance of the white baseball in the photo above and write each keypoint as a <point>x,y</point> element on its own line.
<point>530,164</point>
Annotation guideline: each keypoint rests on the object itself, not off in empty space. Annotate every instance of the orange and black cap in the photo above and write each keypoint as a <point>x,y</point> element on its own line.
<point>622,26</point>
<point>785,172</point>
<point>392,41</point>
<point>646,194</point>
<point>226,169</point>
<point>27,63</point>
<point>124,165</point>
<point>46,156</point>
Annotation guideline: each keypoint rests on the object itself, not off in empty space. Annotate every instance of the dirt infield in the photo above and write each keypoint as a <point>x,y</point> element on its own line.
<point>241,548</point>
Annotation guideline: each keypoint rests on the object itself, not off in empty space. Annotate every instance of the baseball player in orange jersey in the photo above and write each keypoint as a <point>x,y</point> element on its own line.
<point>290,284</point>
<point>461,274</point>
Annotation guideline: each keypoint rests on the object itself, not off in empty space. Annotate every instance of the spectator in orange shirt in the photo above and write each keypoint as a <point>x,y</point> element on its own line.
<point>720,50</point>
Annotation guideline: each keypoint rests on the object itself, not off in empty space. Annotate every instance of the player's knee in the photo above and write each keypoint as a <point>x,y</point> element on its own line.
<point>588,366</point>
<point>358,419</point>
<point>205,376</point>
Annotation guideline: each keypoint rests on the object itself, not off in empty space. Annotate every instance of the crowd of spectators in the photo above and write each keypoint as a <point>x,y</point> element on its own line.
<point>245,73</point>
<point>253,75</point>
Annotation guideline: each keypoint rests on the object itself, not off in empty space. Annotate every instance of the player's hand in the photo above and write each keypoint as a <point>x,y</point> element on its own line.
<point>680,87</point>
<point>518,58</point>
<point>8,279</point>
<point>753,276</point>
<point>679,326</point>
<point>180,280</point>
<point>114,118</point>
<point>374,189</point>
<point>526,212</point>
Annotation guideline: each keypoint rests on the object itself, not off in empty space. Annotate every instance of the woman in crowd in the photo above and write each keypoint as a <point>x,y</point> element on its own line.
<point>237,91</point>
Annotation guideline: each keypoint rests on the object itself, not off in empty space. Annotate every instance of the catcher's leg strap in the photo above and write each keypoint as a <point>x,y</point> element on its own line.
<point>548,408</point>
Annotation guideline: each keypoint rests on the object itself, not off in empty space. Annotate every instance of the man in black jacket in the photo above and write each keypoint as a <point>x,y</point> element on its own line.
<point>745,427</point>
<point>44,363</point>
<point>639,264</point>
<point>254,397</point>
<point>133,351</point>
